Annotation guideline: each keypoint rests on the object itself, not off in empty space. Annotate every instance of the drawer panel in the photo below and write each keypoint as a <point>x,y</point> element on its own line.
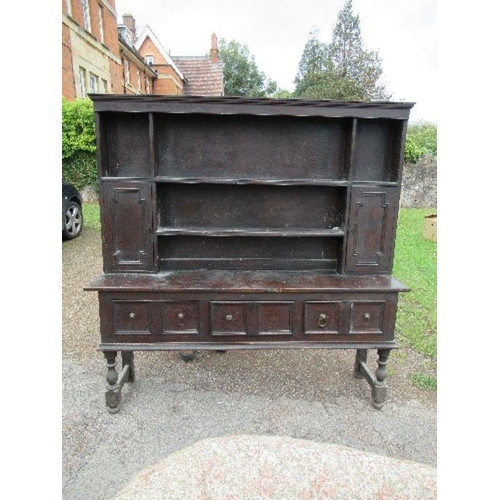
<point>228,318</point>
<point>181,317</point>
<point>275,318</point>
<point>322,317</point>
<point>132,317</point>
<point>367,317</point>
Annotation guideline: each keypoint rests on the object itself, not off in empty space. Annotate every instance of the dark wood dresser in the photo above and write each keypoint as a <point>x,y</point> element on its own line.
<point>232,223</point>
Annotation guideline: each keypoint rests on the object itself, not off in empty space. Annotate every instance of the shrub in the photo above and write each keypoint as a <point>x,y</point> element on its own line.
<point>421,139</point>
<point>79,163</point>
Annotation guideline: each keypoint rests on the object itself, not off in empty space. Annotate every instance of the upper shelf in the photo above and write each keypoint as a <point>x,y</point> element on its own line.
<point>281,150</point>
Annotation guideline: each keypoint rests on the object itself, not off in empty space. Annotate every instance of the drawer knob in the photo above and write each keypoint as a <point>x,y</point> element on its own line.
<point>366,315</point>
<point>181,315</point>
<point>132,315</point>
<point>322,320</point>
<point>229,317</point>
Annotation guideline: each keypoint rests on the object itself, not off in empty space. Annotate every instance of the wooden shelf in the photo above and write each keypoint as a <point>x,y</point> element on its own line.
<point>217,232</point>
<point>268,182</point>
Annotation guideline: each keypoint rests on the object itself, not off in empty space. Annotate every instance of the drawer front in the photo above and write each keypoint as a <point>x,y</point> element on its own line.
<point>251,318</point>
<point>367,317</point>
<point>334,317</point>
<point>132,317</point>
<point>275,318</point>
<point>229,318</point>
<point>322,317</point>
<point>181,317</point>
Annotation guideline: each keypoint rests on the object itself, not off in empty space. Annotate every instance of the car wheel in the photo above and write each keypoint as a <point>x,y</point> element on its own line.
<point>74,221</point>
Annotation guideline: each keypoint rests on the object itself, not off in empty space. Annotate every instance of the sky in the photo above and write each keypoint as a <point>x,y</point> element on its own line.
<point>404,32</point>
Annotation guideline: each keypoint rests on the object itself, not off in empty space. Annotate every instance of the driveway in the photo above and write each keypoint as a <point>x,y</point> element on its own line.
<point>305,394</point>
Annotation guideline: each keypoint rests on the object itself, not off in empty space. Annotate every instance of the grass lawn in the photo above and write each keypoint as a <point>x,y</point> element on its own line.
<point>415,264</point>
<point>92,216</point>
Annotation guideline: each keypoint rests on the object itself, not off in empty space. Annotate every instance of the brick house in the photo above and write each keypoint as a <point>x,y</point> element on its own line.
<point>186,75</point>
<point>101,56</point>
<point>91,59</point>
<point>138,76</point>
<point>170,80</point>
<point>203,74</point>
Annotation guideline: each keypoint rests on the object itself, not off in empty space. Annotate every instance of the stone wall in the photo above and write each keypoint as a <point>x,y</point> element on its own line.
<point>419,186</point>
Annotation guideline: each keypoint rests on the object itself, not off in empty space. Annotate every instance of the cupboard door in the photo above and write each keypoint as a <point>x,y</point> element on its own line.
<point>127,226</point>
<point>371,229</point>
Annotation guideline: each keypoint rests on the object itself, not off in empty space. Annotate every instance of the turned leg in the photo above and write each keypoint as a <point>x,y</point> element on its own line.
<point>116,380</point>
<point>361,357</point>
<point>379,389</point>
<point>113,390</point>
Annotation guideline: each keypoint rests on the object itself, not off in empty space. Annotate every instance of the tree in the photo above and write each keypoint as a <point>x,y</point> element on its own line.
<point>313,76</point>
<point>343,69</point>
<point>242,77</point>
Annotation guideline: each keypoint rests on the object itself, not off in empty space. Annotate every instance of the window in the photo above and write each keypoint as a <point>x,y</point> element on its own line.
<point>104,84</point>
<point>127,71</point>
<point>149,60</point>
<point>83,86</point>
<point>148,88</point>
<point>93,83</point>
<point>139,80</point>
<point>68,7</point>
<point>86,14</point>
<point>101,25</point>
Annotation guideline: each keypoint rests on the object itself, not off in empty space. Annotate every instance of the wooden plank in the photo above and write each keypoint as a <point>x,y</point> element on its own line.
<point>253,344</point>
<point>251,281</point>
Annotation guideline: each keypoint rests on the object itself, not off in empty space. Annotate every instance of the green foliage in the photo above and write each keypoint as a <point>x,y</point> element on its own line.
<point>78,127</point>
<point>424,136</point>
<point>282,94</point>
<point>415,264</point>
<point>79,163</point>
<point>343,69</point>
<point>412,151</point>
<point>242,77</point>
<point>81,169</point>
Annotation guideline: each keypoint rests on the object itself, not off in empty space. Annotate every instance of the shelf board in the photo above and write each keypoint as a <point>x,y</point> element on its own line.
<point>216,232</point>
<point>269,182</point>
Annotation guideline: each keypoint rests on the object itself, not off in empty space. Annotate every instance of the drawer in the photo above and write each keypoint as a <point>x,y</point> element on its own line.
<point>322,317</point>
<point>229,318</point>
<point>251,318</point>
<point>274,318</point>
<point>181,317</point>
<point>367,317</point>
<point>132,317</point>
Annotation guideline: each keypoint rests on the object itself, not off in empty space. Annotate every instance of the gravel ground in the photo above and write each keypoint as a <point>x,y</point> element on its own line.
<point>305,394</point>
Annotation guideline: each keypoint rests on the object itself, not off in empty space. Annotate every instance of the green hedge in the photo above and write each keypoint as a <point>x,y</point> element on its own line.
<point>79,163</point>
<point>421,139</point>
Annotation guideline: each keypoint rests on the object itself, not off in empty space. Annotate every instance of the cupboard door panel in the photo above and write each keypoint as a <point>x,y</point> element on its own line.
<point>127,226</point>
<point>371,230</point>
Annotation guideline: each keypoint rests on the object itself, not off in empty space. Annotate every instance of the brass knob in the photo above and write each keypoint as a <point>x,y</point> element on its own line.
<point>132,315</point>
<point>322,320</point>
<point>366,315</point>
<point>229,317</point>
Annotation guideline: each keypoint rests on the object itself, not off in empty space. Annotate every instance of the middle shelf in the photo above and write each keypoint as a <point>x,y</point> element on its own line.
<point>284,232</point>
<point>250,210</point>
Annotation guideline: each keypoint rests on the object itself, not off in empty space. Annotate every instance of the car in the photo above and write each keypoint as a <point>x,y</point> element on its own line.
<point>72,214</point>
